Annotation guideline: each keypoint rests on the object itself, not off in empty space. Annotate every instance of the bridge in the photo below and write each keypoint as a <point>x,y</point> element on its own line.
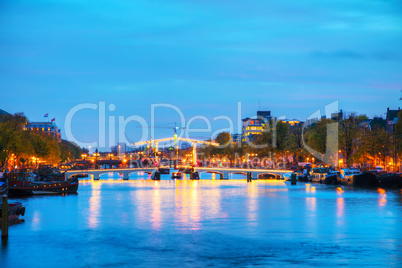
<point>224,173</point>
<point>96,173</point>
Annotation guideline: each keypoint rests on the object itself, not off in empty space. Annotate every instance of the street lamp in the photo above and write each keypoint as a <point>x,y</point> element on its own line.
<point>96,158</point>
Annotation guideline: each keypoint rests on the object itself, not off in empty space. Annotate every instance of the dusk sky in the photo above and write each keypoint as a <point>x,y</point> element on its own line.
<point>292,57</point>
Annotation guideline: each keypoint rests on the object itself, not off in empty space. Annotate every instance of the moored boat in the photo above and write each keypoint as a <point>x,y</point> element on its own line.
<point>319,174</point>
<point>303,178</point>
<point>15,210</point>
<point>268,176</point>
<point>365,179</point>
<point>347,175</point>
<point>23,183</point>
<point>331,179</point>
<point>177,175</point>
<point>164,169</point>
<point>390,180</point>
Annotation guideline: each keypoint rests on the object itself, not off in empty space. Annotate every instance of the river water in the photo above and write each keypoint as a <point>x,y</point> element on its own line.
<point>229,223</point>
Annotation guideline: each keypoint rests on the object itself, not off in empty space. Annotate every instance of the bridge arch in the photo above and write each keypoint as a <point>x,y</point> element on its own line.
<point>268,176</point>
<point>231,175</point>
<point>139,173</point>
<point>239,172</point>
<point>111,174</point>
<point>213,172</point>
<point>82,175</point>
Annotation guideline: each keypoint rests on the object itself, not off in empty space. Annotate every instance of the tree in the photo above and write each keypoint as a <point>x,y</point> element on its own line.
<point>316,135</point>
<point>11,136</point>
<point>23,144</point>
<point>294,142</point>
<point>350,130</point>
<point>224,139</point>
<point>69,151</point>
<point>398,134</point>
<point>282,130</point>
<point>375,143</point>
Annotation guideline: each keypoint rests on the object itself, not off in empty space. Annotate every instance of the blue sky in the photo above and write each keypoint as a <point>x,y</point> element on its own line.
<point>292,57</point>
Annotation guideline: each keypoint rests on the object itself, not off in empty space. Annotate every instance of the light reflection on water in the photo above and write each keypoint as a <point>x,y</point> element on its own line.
<point>94,205</point>
<point>208,222</point>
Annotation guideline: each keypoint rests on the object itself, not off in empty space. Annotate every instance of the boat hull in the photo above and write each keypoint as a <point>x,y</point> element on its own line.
<point>365,179</point>
<point>390,180</point>
<point>331,179</point>
<point>49,189</point>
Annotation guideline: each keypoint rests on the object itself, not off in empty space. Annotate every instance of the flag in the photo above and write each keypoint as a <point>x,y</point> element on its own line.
<point>54,119</point>
<point>46,115</point>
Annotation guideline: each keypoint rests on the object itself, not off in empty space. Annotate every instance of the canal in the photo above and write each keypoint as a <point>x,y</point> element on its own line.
<point>172,223</point>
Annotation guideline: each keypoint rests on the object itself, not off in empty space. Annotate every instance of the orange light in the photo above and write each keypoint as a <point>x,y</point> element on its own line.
<point>381,191</point>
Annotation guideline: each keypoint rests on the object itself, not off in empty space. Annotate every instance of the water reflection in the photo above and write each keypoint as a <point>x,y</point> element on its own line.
<point>94,205</point>
<point>340,207</point>
<point>252,204</point>
<point>156,207</point>
<point>382,200</point>
<point>311,203</point>
<point>212,200</point>
<point>339,190</point>
<point>187,205</point>
<point>36,220</point>
<point>195,206</point>
<point>309,188</point>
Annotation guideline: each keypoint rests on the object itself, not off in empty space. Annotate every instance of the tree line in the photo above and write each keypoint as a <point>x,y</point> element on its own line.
<point>22,146</point>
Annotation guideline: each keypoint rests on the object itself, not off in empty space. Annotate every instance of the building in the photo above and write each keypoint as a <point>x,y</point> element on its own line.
<point>391,119</point>
<point>291,122</point>
<point>236,138</point>
<point>119,149</point>
<point>264,115</point>
<point>49,128</point>
<point>337,116</point>
<point>251,128</point>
